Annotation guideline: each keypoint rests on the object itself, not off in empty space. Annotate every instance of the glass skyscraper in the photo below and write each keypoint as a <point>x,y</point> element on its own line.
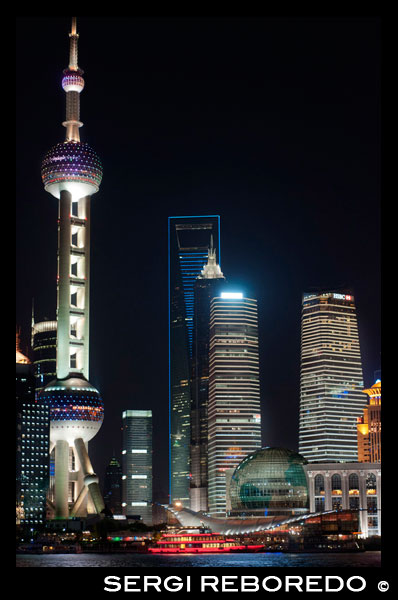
<point>32,447</point>
<point>137,464</point>
<point>207,286</point>
<point>44,346</point>
<point>189,239</point>
<point>234,415</point>
<point>331,379</point>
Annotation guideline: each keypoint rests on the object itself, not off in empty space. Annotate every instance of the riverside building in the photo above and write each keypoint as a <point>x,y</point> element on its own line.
<point>369,427</point>
<point>331,378</point>
<point>349,486</point>
<point>137,465</point>
<point>234,416</point>
<point>188,244</point>
<point>32,447</point>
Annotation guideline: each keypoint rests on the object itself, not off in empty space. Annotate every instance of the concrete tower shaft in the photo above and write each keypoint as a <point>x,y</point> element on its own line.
<point>73,297</point>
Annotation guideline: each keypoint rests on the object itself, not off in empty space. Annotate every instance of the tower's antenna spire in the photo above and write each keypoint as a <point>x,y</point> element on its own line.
<point>73,84</point>
<point>74,36</point>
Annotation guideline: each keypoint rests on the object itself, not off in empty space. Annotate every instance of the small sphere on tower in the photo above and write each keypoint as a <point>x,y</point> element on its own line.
<point>73,81</point>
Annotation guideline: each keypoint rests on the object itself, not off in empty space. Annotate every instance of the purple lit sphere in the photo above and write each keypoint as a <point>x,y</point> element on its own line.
<point>76,408</point>
<point>72,81</point>
<point>71,162</point>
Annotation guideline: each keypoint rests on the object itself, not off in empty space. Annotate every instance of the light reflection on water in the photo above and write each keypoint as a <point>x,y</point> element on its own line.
<point>360,560</point>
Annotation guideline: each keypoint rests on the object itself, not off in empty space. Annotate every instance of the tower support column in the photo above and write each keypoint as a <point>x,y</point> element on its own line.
<point>85,205</point>
<point>63,325</point>
<point>61,479</point>
<point>90,478</point>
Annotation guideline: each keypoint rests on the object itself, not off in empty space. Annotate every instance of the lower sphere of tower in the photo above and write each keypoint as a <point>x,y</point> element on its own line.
<point>71,166</point>
<point>76,408</point>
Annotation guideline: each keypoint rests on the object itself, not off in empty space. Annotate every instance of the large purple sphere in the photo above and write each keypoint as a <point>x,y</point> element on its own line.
<point>71,161</point>
<point>76,408</point>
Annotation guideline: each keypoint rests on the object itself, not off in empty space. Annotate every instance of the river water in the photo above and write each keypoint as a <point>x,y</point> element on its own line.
<point>272,559</point>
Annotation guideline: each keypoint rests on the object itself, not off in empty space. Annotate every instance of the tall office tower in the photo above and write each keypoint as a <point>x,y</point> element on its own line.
<point>137,464</point>
<point>189,242</point>
<point>113,486</point>
<point>32,445</point>
<point>369,427</point>
<point>207,285</point>
<point>331,380</point>
<point>44,347</point>
<point>234,414</point>
<point>72,172</point>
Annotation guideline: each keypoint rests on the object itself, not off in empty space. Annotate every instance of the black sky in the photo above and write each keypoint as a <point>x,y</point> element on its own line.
<point>274,124</point>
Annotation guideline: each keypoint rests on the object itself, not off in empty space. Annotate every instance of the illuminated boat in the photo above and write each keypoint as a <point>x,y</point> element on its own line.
<point>186,542</point>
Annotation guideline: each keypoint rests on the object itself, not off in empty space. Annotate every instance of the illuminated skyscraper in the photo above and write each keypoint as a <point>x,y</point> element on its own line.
<point>207,285</point>
<point>32,446</point>
<point>331,397</point>
<point>369,427</point>
<point>72,173</point>
<point>189,242</point>
<point>234,415</point>
<point>137,464</point>
<point>44,347</point>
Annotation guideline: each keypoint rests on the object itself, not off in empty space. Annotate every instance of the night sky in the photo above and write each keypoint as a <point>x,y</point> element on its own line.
<point>273,124</point>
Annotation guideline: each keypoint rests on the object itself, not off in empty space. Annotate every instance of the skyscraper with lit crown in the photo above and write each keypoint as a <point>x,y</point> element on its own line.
<point>331,380</point>
<point>234,412</point>
<point>72,173</point>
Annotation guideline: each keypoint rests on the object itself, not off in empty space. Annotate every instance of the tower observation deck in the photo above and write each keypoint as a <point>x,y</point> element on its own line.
<point>72,172</point>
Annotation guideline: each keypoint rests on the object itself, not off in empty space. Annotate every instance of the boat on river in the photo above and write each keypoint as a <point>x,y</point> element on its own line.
<point>187,542</point>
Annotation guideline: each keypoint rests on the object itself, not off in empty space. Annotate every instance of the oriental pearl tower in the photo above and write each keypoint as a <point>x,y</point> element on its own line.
<point>72,172</point>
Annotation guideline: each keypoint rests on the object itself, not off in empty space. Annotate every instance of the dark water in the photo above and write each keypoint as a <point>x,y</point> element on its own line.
<point>353,560</point>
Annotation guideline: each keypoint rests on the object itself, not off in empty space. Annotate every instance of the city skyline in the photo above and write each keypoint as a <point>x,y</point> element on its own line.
<point>294,212</point>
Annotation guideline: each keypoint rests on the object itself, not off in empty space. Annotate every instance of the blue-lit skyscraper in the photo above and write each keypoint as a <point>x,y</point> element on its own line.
<point>189,240</point>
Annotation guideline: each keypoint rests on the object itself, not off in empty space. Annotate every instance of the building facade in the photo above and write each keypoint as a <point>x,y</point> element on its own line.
<point>369,427</point>
<point>32,447</point>
<point>331,378</point>
<point>189,239</point>
<point>348,486</point>
<point>234,415</point>
<point>44,348</point>
<point>207,286</point>
<point>113,486</point>
<point>137,464</point>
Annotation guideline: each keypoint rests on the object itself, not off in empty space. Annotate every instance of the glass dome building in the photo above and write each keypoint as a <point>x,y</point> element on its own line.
<point>269,481</point>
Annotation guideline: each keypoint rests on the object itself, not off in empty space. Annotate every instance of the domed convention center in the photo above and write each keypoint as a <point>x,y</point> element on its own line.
<point>269,482</point>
